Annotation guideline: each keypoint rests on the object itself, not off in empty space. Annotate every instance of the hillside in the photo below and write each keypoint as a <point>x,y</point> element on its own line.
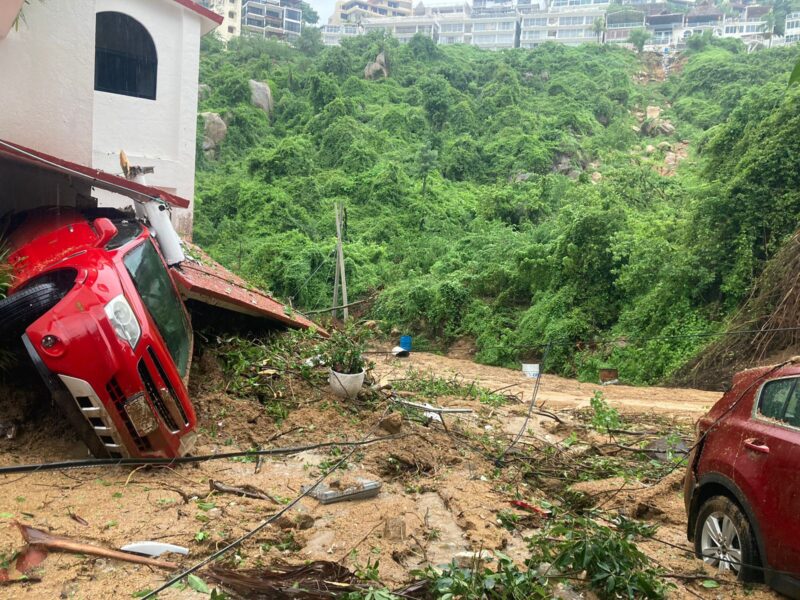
<point>510,198</point>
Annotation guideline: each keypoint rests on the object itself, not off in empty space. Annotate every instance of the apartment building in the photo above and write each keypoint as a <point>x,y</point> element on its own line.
<point>495,24</point>
<point>565,25</point>
<point>749,25</point>
<point>622,21</point>
<point>792,29</point>
<point>332,35</point>
<point>272,18</point>
<point>452,20</point>
<point>355,11</point>
<point>231,13</point>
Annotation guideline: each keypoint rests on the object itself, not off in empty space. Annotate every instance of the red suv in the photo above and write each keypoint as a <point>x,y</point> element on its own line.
<point>742,487</point>
<point>100,316</point>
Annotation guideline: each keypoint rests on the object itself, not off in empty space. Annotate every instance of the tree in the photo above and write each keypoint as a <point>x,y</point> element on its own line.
<point>599,28</point>
<point>426,161</point>
<point>769,27</point>
<point>639,38</point>
<point>310,41</point>
<point>309,14</point>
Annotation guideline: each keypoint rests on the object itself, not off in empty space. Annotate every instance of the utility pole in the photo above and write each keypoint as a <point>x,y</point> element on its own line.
<point>340,272</point>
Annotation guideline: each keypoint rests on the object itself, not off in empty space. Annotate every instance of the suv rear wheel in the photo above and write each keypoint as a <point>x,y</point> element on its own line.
<point>724,539</point>
<point>25,306</point>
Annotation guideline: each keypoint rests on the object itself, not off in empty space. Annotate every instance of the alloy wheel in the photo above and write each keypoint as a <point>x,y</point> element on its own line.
<point>720,543</point>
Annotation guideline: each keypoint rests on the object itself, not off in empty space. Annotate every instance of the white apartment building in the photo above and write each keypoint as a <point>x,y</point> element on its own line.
<point>332,35</point>
<point>570,26</point>
<point>231,13</point>
<point>272,18</point>
<point>403,28</point>
<point>792,29</point>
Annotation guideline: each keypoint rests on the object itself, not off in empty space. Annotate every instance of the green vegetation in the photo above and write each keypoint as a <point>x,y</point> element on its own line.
<point>473,208</point>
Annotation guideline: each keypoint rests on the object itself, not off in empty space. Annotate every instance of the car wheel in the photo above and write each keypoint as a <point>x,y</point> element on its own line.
<point>724,539</point>
<point>25,306</point>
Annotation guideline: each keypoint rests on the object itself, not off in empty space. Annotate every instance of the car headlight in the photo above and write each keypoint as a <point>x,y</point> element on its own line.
<point>120,313</point>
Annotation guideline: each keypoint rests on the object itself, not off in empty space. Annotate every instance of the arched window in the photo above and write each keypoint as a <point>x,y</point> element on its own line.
<point>125,60</point>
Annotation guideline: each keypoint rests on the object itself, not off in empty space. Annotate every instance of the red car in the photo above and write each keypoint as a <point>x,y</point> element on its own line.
<point>102,320</point>
<point>742,486</point>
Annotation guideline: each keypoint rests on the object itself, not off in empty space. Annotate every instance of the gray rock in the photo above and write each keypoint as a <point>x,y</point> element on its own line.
<point>261,95</point>
<point>203,91</point>
<point>214,130</point>
<point>377,68</point>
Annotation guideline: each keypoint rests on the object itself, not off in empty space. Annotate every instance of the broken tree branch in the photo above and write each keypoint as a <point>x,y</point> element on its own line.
<point>246,490</point>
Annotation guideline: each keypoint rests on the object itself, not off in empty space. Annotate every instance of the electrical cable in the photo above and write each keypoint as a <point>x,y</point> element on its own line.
<point>119,462</point>
<point>239,541</point>
<point>319,266</point>
<point>531,406</point>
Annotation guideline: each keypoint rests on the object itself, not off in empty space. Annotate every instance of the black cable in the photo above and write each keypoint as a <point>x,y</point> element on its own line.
<point>119,462</point>
<point>531,406</point>
<point>239,541</point>
<point>319,266</point>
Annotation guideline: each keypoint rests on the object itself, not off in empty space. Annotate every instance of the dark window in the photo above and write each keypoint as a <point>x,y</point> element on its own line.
<point>780,400</point>
<point>125,60</point>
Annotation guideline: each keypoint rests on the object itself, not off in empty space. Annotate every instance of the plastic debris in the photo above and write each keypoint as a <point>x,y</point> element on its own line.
<point>364,489</point>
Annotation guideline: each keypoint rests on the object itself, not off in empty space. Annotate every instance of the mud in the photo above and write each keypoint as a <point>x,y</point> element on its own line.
<point>441,495</point>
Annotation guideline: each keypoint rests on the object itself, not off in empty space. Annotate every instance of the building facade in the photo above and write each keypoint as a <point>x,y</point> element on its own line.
<point>231,13</point>
<point>281,19</point>
<point>355,11</point>
<point>84,80</point>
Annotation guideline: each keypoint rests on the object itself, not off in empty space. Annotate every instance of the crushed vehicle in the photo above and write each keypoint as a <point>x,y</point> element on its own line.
<point>742,485</point>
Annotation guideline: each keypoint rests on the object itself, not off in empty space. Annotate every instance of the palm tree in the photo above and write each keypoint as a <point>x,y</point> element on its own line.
<point>769,26</point>
<point>599,27</point>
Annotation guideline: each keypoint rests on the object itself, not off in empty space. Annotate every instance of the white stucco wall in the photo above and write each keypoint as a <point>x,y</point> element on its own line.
<point>161,132</point>
<point>47,79</point>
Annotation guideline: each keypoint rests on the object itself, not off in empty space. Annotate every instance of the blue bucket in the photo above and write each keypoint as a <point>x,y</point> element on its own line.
<point>405,343</point>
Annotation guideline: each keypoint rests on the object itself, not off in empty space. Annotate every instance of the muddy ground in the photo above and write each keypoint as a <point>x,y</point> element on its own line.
<point>439,486</point>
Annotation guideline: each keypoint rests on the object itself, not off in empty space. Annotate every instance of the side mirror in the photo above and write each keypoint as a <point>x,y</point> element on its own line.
<point>106,230</point>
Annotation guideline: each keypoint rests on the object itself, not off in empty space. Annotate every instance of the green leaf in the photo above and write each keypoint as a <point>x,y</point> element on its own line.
<point>206,505</point>
<point>197,584</point>
<point>6,515</point>
<point>710,584</point>
<point>795,76</point>
<point>141,593</point>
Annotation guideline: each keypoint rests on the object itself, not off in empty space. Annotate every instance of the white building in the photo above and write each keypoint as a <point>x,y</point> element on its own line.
<point>792,29</point>
<point>332,35</point>
<point>231,13</point>
<point>272,18</point>
<point>403,28</point>
<point>570,26</point>
<point>84,79</point>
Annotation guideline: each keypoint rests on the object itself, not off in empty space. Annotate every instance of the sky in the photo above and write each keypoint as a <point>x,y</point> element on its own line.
<point>324,8</point>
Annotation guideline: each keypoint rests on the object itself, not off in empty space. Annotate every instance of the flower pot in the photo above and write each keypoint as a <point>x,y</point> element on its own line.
<point>9,9</point>
<point>346,385</point>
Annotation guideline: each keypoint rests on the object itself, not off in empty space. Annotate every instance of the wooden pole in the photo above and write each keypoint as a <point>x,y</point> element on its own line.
<point>336,267</point>
<point>340,259</point>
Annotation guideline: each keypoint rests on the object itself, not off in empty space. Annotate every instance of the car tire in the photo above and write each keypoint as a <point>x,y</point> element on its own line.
<point>722,531</point>
<point>22,308</point>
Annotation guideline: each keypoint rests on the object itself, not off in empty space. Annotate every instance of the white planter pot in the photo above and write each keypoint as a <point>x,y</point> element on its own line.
<point>346,385</point>
<point>9,9</point>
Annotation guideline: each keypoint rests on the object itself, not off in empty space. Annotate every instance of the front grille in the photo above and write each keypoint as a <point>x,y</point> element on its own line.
<point>168,385</point>
<point>118,398</point>
<point>155,396</point>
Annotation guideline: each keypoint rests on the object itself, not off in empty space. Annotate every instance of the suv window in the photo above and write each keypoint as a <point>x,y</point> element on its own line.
<point>780,400</point>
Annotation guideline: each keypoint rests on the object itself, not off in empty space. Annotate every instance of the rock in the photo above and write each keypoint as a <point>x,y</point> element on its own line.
<point>545,569</point>
<point>203,91</point>
<point>214,130</point>
<point>649,149</point>
<point>260,95</point>
<point>472,560</point>
<point>596,177</point>
<point>296,520</point>
<point>392,424</point>
<point>664,146</point>
<point>655,127</point>
<point>563,592</point>
<point>653,112</point>
<point>394,529</point>
<point>377,68</point>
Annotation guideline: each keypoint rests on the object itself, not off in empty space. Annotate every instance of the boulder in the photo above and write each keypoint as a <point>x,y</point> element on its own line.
<point>654,127</point>
<point>597,176</point>
<point>653,112</point>
<point>392,424</point>
<point>261,95</point>
<point>649,149</point>
<point>203,91</point>
<point>376,69</point>
<point>214,131</point>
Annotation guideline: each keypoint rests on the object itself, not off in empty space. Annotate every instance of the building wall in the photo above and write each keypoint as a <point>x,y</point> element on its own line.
<point>160,133</point>
<point>231,12</point>
<point>47,80</point>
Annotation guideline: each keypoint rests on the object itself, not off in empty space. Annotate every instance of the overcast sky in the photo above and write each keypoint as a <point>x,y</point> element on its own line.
<point>324,8</point>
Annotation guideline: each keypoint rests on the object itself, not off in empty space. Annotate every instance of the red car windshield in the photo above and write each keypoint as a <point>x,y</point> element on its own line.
<point>155,287</point>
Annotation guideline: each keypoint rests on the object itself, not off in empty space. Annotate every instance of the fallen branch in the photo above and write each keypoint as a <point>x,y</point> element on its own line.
<point>53,543</point>
<point>246,490</point>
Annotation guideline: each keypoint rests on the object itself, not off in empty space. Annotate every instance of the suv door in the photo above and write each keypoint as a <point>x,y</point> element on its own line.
<point>767,469</point>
